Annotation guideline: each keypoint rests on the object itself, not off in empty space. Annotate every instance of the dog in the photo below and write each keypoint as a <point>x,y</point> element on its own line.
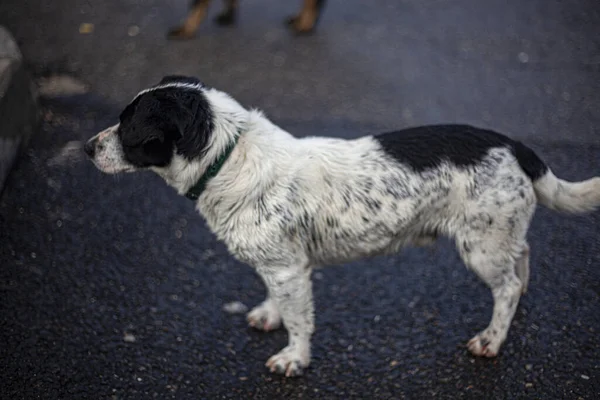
<point>302,23</point>
<point>286,205</point>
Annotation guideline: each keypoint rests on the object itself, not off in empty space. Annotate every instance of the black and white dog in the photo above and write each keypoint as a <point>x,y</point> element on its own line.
<point>286,205</point>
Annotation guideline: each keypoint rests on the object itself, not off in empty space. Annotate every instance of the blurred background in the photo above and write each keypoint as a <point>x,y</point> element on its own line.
<point>114,288</point>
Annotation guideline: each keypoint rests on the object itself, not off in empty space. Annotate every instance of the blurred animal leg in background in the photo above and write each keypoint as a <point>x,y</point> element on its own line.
<point>193,20</point>
<point>308,17</point>
<point>229,14</point>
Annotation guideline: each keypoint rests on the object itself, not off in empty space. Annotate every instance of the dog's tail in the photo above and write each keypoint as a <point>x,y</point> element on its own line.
<point>555,193</point>
<point>568,197</point>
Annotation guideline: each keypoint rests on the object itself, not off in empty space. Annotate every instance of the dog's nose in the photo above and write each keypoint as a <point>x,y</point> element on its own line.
<point>90,148</point>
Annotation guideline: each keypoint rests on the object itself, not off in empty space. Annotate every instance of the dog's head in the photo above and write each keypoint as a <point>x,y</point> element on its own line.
<point>171,119</point>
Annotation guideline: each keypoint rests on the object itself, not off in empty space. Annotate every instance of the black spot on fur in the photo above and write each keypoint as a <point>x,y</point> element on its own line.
<point>466,247</point>
<point>332,222</point>
<point>368,185</point>
<point>426,147</point>
<point>373,205</point>
<point>346,196</point>
<point>511,222</point>
<point>162,121</point>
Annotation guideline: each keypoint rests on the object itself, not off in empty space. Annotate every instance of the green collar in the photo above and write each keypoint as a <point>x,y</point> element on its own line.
<point>195,191</point>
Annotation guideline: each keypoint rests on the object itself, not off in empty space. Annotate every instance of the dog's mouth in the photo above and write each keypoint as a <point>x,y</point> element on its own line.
<point>111,169</point>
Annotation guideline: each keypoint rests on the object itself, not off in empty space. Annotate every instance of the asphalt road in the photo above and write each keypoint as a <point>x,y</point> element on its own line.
<point>114,288</point>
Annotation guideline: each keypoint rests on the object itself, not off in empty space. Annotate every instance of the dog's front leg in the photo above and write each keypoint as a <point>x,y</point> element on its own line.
<point>290,289</point>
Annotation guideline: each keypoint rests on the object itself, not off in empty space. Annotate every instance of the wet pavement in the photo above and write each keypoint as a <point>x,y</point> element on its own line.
<point>114,288</point>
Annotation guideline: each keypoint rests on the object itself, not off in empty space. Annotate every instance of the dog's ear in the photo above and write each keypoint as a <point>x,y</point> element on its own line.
<point>153,151</point>
<point>140,123</point>
<point>188,120</point>
<point>144,135</point>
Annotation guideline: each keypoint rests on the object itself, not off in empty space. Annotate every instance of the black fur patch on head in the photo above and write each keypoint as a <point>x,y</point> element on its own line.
<point>426,147</point>
<point>163,121</point>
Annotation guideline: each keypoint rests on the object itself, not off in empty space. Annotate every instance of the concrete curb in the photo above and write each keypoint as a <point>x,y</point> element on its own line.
<point>19,116</point>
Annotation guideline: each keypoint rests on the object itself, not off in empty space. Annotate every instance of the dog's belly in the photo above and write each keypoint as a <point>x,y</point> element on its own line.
<point>344,246</point>
<point>351,249</point>
<point>351,234</point>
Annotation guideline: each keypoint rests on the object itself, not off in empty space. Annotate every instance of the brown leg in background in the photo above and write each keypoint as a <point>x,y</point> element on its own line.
<point>192,21</point>
<point>227,17</point>
<point>306,20</point>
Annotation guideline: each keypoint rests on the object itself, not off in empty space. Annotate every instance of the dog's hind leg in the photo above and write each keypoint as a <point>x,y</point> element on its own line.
<point>493,259</point>
<point>291,290</point>
<point>193,20</point>
<point>229,14</point>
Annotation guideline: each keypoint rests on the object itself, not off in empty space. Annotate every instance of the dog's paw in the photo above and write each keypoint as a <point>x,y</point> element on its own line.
<point>289,361</point>
<point>484,345</point>
<point>179,33</point>
<point>264,317</point>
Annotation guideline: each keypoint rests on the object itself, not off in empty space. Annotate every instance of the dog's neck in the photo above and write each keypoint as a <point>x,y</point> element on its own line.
<point>230,121</point>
